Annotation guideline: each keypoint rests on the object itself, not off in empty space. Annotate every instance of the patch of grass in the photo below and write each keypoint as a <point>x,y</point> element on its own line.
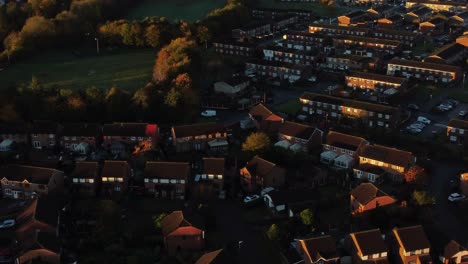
<point>290,107</point>
<point>188,10</point>
<point>460,96</point>
<point>319,9</point>
<point>127,69</point>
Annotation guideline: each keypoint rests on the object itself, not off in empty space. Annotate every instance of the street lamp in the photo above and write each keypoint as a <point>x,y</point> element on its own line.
<point>97,45</point>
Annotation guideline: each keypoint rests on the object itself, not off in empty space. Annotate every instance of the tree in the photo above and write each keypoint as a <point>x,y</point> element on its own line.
<point>203,34</point>
<point>273,232</point>
<point>173,98</point>
<point>307,217</point>
<point>173,59</point>
<point>256,142</point>
<point>35,83</point>
<point>157,220</point>
<point>153,36</point>
<point>414,173</point>
<point>423,198</point>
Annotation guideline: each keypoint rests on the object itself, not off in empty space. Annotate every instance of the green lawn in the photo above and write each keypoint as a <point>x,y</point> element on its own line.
<point>319,9</point>
<point>290,107</point>
<point>127,69</point>
<point>188,10</point>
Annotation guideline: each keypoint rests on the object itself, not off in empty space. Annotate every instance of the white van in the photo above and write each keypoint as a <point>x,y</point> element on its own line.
<point>208,113</point>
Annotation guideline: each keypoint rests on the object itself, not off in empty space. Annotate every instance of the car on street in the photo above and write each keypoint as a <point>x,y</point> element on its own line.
<point>424,120</point>
<point>453,102</point>
<point>7,223</point>
<point>251,198</point>
<point>208,113</point>
<point>456,197</point>
<point>417,125</point>
<point>446,106</point>
<point>462,113</point>
<point>414,131</point>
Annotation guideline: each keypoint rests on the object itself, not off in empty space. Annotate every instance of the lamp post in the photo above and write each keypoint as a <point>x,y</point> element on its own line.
<point>97,45</point>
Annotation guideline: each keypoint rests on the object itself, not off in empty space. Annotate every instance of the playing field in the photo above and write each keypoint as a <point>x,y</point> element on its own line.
<point>188,10</point>
<point>127,69</point>
<point>319,9</point>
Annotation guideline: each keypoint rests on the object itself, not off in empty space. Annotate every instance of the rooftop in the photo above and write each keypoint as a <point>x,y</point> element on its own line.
<point>424,65</point>
<point>297,130</point>
<point>198,129</point>
<point>411,238</point>
<point>166,170</point>
<point>388,155</point>
<point>369,242</point>
<point>366,192</point>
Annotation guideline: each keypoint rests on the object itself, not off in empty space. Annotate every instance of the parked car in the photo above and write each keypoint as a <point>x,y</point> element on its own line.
<point>456,197</point>
<point>424,120</point>
<point>208,113</point>
<point>266,191</point>
<point>251,198</point>
<point>417,125</point>
<point>7,223</point>
<point>414,131</point>
<point>462,113</point>
<point>446,106</point>
<point>413,107</point>
<point>453,102</point>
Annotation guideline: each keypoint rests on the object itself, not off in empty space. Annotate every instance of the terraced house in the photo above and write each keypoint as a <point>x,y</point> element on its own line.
<point>199,137</point>
<point>407,38</point>
<point>119,137</point>
<point>273,69</point>
<point>44,134</point>
<point>376,44</point>
<point>80,137</point>
<point>457,131</point>
<point>244,49</point>
<point>304,40</point>
<point>341,150</point>
<point>286,55</point>
<point>375,82</point>
<point>28,182</point>
<point>335,109</point>
<point>375,161</point>
<point>167,179</point>
<point>338,30</point>
<point>438,5</point>
<point>352,62</point>
<point>115,176</point>
<point>424,70</point>
<point>85,177</point>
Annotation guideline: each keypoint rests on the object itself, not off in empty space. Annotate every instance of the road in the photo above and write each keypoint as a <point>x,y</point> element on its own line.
<point>445,219</point>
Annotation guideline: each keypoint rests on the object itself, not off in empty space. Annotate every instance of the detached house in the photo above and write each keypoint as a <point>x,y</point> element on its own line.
<point>454,253</point>
<point>367,197</point>
<point>210,180</point>
<point>265,120</point>
<point>80,137</point>
<point>167,179</point>
<point>413,244</point>
<point>27,182</point>
<point>318,250</point>
<point>115,176</point>
<point>199,137</point>
<point>369,247</point>
<point>85,177</point>
<point>341,150</point>
<point>424,70</point>
<point>180,235</point>
<point>457,131</point>
<point>298,137</point>
<point>118,137</point>
<point>260,173</point>
<point>376,160</point>
<point>44,134</point>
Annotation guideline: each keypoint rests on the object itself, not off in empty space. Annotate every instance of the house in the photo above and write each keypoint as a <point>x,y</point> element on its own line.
<point>17,132</point>
<point>434,25</point>
<point>331,29</point>
<point>118,137</point>
<point>369,247</point>
<point>459,20</point>
<point>413,244</point>
<point>438,5</point>
<point>423,70</point>
<point>464,183</point>
<point>335,109</point>
<point>305,41</point>
<point>407,38</point>
<point>233,86</point>
<point>180,235</point>
<point>254,30</point>
<point>272,13</point>
<point>418,15</point>
<point>199,136</point>
<point>281,23</point>
<point>265,120</point>
<point>260,173</point>
<point>210,180</point>
<point>391,22</point>
<point>44,134</point>
<point>167,179</point>
<point>375,44</point>
<point>454,253</point>
<point>299,137</point>
<point>220,256</point>
<point>289,55</point>
<point>367,196</point>
<point>115,176</point>
<point>318,250</point>
<point>463,39</point>
<point>234,48</point>
<point>85,177</point>
<point>457,131</point>
<point>352,18</point>
<point>448,54</point>
<point>381,11</point>
<point>80,137</point>
<point>276,70</point>
<point>289,202</point>
<point>341,149</point>
<point>374,82</point>
<point>366,2</point>
<point>394,162</point>
<point>344,62</point>
<point>27,182</point>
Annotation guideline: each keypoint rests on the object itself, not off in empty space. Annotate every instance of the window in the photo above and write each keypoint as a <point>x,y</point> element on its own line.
<point>111,179</point>
<point>182,181</point>
<point>155,180</point>
<point>120,179</point>
<point>132,138</point>
<point>117,188</point>
<point>75,180</point>
<point>146,180</point>
<point>8,191</point>
<point>91,180</point>
<point>51,135</point>
<point>104,179</point>
<point>82,180</point>
<point>173,181</point>
<point>164,181</point>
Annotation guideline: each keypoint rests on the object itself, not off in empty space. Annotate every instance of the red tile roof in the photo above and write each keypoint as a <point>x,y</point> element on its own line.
<point>115,168</point>
<point>297,130</point>
<point>261,113</point>
<point>213,166</point>
<point>411,238</point>
<point>369,242</point>
<point>85,169</point>
<point>38,175</point>
<point>166,170</point>
<point>319,248</point>
<point>345,141</point>
<point>214,257</point>
<point>186,231</point>
<point>263,168</point>
<point>457,123</point>
<point>388,155</point>
<point>366,192</point>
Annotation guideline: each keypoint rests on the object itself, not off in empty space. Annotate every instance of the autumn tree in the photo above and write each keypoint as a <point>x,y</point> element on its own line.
<point>157,221</point>
<point>173,59</point>
<point>416,174</point>
<point>203,35</point>
<point>152,36</point>
<point>423,198</point>
<point>307,217</point>
<point>256,142</point>
<point>273,232</point>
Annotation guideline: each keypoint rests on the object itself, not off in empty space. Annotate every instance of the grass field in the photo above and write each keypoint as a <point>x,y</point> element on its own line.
<point>188,10</point>
<point>319,9</point>
<point>127,69</point>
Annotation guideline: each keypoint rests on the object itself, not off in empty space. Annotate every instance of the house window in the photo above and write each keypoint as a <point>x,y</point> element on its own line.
<point>91,180</point>
<point>164,181</point>
<point>104,179</point>
<point>173,181</point>
<point>155,180</point>
<point>120,179</point>
<point>75,180</point>
<point>111,179</point>
<point>146,180</point>
<point>117,188</point>
<point>8,191</point>
<point>182,181</point>
<point>82,180</point>
<point>132,138</point>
